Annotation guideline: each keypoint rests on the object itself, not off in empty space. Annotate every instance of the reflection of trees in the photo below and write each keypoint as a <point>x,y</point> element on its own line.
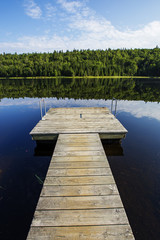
<point>129,89</point>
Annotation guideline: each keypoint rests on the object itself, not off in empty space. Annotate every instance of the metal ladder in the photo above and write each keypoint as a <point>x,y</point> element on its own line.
<point>115,111</point>
<point>42,104</point>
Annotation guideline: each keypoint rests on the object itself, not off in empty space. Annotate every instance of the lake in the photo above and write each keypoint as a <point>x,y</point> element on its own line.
<point>135,162</point>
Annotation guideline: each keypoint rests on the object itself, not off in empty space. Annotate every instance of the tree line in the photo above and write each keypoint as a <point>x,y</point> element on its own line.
<point>84,88</point>
<point>120,62</point>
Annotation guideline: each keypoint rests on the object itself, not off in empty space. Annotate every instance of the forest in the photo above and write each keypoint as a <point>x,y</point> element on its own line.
<point>120,62</point>
<point>84,88</point>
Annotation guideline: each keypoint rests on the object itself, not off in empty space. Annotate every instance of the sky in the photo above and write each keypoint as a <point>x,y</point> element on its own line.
<point>48,25</point>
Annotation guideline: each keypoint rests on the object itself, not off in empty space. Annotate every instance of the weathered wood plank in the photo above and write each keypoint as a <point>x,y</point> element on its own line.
<point>53,136</point>
<point>77,164</point>
<point>82,190</point>
<point>46,124</point>
<point>80,217</point>
<point>78,172</point>
<point>92,136</point>
<point>79,153</point>
<point>79,121</point>
<point>110,232</point>
<point>78,110</point>
<point>79,180</point>
<point>79,143</point>
<point>87,202</point>
<point>62,148</point>
<point>79,159</point>
<point>75,115</point>
<point>84,129</point>
<point>87,121</point>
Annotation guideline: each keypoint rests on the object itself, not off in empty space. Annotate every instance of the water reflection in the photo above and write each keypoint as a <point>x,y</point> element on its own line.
<point>137,175</point>
<point>112,148</point>
<point>122,89</point>
<point>44,148</point>
<point>138,109</point>
<point>135,162</point>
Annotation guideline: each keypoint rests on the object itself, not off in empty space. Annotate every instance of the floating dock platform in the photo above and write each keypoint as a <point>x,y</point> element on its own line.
<point>78,120</point>
<point>79,199</point>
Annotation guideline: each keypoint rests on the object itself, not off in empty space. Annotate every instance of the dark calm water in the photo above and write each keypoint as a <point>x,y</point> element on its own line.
<point>135,162</point>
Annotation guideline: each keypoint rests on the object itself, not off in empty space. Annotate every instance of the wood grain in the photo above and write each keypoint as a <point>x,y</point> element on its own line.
<point>57,172</point>
<point>109,232</point>
<point>83,190</point>
<point>81,217</point>
<point>85,202</point>
<point>79,199</point>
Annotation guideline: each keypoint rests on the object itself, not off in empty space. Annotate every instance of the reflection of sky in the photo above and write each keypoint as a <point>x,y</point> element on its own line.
<point>140,109</point>
<point>136,108</point>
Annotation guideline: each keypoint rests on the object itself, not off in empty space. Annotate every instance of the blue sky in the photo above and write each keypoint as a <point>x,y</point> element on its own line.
<point>48,25</point>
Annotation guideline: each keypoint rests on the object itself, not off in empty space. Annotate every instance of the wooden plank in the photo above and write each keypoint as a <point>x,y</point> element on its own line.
<point>80,217</point>
<point>85,129</point>
<point>77,164</point>
<point>91,136</point>
<point>86,119</point>
<point>44,137</point>
<point>65,148</point>
<point>79,180</point>
<point>53,136</point>
<point>76,115</point>
<point>112,135</point>
<point>79,153</point>
<point>109,232</point>
<point>83,190</point>
<point>79,143</point>
<point>52,132</point>
<point>45,123</point>
<point>77,122</point>
<point>79,159</point>
<point>78,109</point>
<point>78,172</point>
<point>87,202</point>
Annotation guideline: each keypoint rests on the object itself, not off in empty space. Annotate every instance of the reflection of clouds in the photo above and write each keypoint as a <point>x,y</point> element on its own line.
<point>136,108</point>
<point>140,109</point>
<point>54,102</point>
<point>19,102</point>
<point>77,103</point>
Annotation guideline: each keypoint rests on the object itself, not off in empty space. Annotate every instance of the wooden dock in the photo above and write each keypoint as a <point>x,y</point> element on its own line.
<point>78,120</point>
<point>79,199</point>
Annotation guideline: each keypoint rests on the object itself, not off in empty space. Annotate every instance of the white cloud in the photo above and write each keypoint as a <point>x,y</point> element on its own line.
<point>36,44</point>
<point>32,9</point>
<point>72,6</point>
<point>93,37</point>
<point>79,27</point>
<point>50,10</point>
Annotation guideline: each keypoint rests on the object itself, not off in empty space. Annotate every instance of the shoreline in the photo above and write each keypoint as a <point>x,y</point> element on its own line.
<point>77,77</point>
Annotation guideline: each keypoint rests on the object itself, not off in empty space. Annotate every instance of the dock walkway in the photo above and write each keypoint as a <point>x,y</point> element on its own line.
<point>79,199</point>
